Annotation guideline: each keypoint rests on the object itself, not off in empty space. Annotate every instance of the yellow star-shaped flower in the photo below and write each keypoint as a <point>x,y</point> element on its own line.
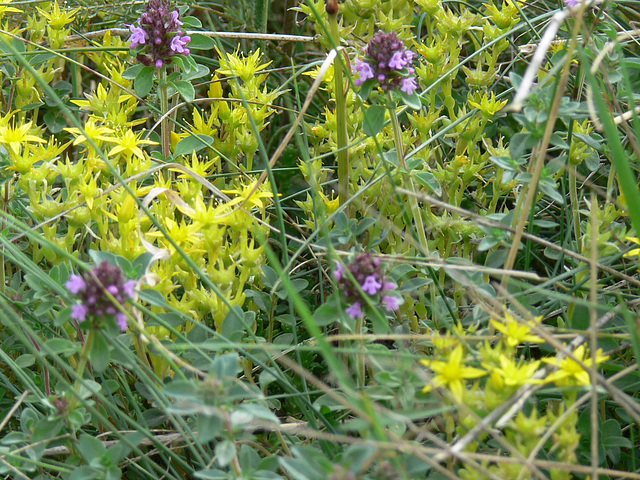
<point>516,332</point>
<point>634,252</point>
<point>128,144</point>
<point>570,372</point>
<point>452,373</point>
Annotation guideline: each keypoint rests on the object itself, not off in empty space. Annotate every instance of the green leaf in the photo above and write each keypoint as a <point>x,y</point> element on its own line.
<point>62,346</point>
<point>201,42</point>
<point>55,121</point>
<point>182,389</point>
<point>211,474</point>
<point>100,351</point>
<point>90,447</point>
<point>209,426</point>
<point>143,82</point>
<point>430,181</point>
<point>226,365</point>
<point>25,360</point>
<point>192,143</point>
<point>132,73</point>
<point>198,72</point>
<point>326,314</point>
<point>412,101</point>
<point>185,89</point>
<point>225,452</point>
<point>192,22</point>
<point>365,89</point>
<point>374,120</point>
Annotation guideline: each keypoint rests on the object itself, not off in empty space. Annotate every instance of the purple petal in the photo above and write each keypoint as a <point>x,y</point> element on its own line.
<point>76,284</point>
<point>138,36</point>
<point>409,85</point>
<point>392,303</point>
<point>79,312</point>
<point>364,71</point>
<point>175,16</point>
<point>397,61</point>
<point>339,271</point>
<point>354,310</point>
<point>129,288</point>
<point>388,286</point>
<point>121,318</point>
<point>371,285</point>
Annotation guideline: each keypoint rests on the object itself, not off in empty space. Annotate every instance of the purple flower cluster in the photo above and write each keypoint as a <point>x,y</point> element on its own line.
<point>158,32</point>
<point>93,287</point>
<point>371,280</point>
<point>388,62</point>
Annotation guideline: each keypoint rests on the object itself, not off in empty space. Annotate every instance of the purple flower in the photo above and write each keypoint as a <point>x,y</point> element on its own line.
<point>392,303</point>
<point>103,291</point>
<point>409,85</point>
<point>75,284</point>
<point>572,3</point>
<point>158,33</point>
<point>371,285</point>
<point>79,312</point>
<point>398,61</point>
<point>364,71</point>
<point>339,271</point>
<point>354,310</point>
<point>175,16</point>
<point>129,288</point>
<point>121,318</point>
<point>366,282</point>
<point>179,42</point>
<point>388,286</point>
<point>387,60</point>
<point>138,36</point>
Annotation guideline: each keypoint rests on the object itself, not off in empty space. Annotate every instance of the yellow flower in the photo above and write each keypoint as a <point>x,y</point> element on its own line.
<point>4,8</point>
<point>488,104</point>
<point>516,374</point>
<point>16,136</point>
<point>515,332</point>
<point>570,372</point>
<point>636,251</point>
<point>57,18</point>
<point>97,133</point>
<point>451,373</point>
<point>244,67</point>
<point>128,144</point>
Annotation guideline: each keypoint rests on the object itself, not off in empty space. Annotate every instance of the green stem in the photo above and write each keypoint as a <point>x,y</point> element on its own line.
<point>341,118</point>
<point>82,364</point>
<point>164,108</point>
<point>360,368</point>
<point>413,202</point>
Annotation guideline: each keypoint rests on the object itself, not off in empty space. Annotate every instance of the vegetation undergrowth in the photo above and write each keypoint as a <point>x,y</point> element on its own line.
<point>319,240</point>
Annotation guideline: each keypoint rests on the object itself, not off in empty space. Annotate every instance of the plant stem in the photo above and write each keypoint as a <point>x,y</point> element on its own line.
<point>413,202</point>
<point>341,118</point>
<point>84,357</point>
<point>164,108</point>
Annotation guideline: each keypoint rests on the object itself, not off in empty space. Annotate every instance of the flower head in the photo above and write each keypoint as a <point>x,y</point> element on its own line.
<point>569,371</point>
<point>387,61</point>
<point>634,252</point>
<point>101,290</point>
<point>158,32</point>
<point>371,285</point>
<point>354,310</point>
<point>452,373</point>
<point>516,332</point>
